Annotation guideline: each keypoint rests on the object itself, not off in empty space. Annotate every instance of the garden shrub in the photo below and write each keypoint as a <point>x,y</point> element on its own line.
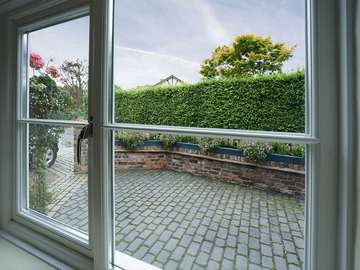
<point>256,151</point>
<point>47,101</point>
<point>271,103</point>
<point>132,140</point>
<point>168,140</point>
<point>289,149</point>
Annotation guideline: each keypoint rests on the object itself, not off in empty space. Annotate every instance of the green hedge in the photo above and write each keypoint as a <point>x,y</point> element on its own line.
<point>263,103</point>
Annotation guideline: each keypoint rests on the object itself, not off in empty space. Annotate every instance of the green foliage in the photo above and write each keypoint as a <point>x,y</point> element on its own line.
<point>256,151</point>
<point>272,103</point>
<point>47,101</point>
<point>132,140</point>
<point>168,140</point>
<point>289,149</point>
<point>208,143</point>
<point>248,55</point>
<point>253,151</point>
<point>40,197</point>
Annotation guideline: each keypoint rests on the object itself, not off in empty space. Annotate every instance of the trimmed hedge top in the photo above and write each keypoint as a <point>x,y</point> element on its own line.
<point>273,103</point>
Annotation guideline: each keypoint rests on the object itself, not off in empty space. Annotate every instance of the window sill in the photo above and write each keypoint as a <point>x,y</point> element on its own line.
<point>127,262</point>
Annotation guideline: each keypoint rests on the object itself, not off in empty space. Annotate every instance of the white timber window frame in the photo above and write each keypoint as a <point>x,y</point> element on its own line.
<point>328,102</point>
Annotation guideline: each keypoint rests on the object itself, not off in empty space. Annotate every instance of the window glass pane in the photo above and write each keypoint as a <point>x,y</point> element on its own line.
<point>210,64</point>
<point>58,185</point>
<point>58,71</point>
<point>185,202</point>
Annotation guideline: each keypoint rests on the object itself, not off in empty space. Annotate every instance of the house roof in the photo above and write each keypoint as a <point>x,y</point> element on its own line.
<point>172,80</point>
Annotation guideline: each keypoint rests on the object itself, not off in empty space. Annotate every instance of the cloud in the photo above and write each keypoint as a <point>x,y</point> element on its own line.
<point>135,67</point>
<point>155,54</point>
<point>214,27</point>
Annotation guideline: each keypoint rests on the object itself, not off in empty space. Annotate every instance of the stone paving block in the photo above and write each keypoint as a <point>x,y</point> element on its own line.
<point>227,264</point>
<point>202,258</point>
<point>157,248</point>
<point>254,256</point>
<point>220,242</point>
<point>292,258</point>
<point>210,235</point>
<point>135,245</point>
<point>254,243</point>
<point>255,267</point>
<point>185,240</point>
<point>267,262</point>
<point>171,244</point>
<point>213,265</point>
<point>289,246</point>
<point>280,263</point>
<point>165,236</point>
<point>294,267</point>
<point>171,265</point>
<point>193,248</point>
<point>160,229</point>
<point>206,246</point>
<point>145,233</point>
<point>229,253</point>
<point>243,249</point>
<point>140,253</point>
<point>178,253</point>
<point>243,238</point>
<point>179,232</point>
<point>150,241</point>
<point>187,262</point>
<point>163,257</point>
<point>131,236</point>
<point>173,226</point>
<point>217,253</point>
<point>241,262</point>
<point>149,258</point>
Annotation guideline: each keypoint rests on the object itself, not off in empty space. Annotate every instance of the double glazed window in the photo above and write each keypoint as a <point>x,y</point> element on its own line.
<point>206,138</point>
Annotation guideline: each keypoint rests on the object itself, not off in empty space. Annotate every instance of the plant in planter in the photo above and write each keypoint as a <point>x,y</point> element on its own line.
<point>187,139</point>
<point>208,143</point>
<point>256,151</point>
<point>168,140</point>
<point>289,149</point>
<point>132,140</point>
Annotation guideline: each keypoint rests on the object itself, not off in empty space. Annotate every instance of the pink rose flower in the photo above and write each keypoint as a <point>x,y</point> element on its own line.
<point>53,71</point>
<point>36,61</point>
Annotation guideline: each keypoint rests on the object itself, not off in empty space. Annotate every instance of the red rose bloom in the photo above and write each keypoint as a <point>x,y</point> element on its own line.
<point>36,61</point>
<point>53,71</point>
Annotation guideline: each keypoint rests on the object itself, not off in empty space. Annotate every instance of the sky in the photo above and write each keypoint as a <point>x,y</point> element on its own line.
<point>157,38</point>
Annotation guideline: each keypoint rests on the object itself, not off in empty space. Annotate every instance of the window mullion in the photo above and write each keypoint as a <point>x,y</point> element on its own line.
<point>100,189</point>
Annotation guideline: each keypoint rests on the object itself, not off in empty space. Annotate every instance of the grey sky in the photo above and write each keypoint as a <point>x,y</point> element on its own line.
<point>156,38</point>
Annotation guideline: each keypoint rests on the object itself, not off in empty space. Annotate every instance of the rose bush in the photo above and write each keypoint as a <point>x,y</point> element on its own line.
<point>46,101</point>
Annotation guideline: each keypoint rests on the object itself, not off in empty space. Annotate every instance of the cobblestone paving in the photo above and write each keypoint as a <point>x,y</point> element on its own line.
<point>70,191</point>
<point>179,221</point>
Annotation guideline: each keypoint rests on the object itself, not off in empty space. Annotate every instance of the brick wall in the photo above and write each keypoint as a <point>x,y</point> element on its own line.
<point>83,166</point>
<point>275,176</point>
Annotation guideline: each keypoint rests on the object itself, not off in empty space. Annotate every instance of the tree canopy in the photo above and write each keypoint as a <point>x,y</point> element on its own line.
<point>248,55</point>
